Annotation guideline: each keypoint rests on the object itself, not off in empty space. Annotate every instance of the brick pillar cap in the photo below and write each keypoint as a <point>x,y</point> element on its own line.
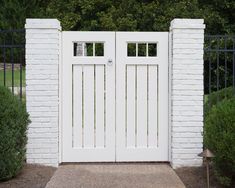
<point>178,23</point>
<point>42,24</point>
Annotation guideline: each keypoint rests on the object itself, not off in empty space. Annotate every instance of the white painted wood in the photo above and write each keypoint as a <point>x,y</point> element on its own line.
<point>110,137</point>
<point>77,107</point>
<point>141,85</point>
<point>130,125</point>
<point>141,106</point>
<point>60,98</point>
<point>148,149</point>
<point>77,60</point>
<point>88,109</point>
<point>87,102</point>
<point>142,60</point>
<point>99,105</point>
<point>152,106</point>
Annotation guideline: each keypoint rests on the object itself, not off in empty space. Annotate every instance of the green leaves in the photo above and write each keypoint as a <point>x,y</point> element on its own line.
<point>14,12</point>
<point>120,15</point>
<point>136,15</point>
<point>13,126</point>
<point>219,136</point>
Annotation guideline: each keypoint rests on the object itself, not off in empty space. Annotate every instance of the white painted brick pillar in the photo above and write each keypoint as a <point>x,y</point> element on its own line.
<point>42,84</point>
<point>186,91</point>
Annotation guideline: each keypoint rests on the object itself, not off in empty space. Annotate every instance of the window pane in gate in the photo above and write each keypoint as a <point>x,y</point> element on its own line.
<point>77,49</point>
<point>141,49</point>
<point>152,49</point>
<point>99,49</point>
<point>88,49</point>
<point>131,49</point>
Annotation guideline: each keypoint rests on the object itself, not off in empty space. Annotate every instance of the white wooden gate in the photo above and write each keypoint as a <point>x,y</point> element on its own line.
<point>142,96</point>
<point>88,129</point>
<point>114,96</point>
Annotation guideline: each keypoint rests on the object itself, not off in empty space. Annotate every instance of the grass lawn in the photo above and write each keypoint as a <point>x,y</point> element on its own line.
<point>9,78</point>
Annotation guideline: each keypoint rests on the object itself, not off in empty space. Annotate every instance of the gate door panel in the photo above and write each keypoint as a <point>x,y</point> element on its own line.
<point>142,96</point>
<point>88,96</point>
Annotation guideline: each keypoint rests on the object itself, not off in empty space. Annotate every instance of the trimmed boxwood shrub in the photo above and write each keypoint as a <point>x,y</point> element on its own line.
<point>13,126</point>
<point>217,96</point>
<point>219,137</point>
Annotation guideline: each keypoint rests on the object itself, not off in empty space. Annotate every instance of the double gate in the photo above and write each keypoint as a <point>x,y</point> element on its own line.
<point>114,96</point>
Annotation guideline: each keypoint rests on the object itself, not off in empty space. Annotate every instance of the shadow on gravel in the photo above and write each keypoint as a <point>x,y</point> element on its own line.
<point>31,176</point>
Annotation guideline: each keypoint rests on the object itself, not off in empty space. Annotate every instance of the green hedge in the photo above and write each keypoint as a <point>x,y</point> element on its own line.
<point>219,137</point>
<point>215,97</point>
<point>13,126</point>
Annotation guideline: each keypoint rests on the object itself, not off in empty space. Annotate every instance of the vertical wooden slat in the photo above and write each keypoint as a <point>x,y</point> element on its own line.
<point>88,98</point>
<point>141,106</point>
<point>109,106</point>
<point>99,111</point>
<point>152,106</point>
<point>130,106</point>
<point>77,106</point>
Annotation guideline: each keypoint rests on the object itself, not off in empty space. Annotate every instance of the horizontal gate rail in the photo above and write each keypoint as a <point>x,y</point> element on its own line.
<point>12,60</point>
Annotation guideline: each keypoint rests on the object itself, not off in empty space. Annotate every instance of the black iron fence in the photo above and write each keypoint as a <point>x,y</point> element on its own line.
<point>12,60</point>
<point>219,68</point>
<point>219,62</point>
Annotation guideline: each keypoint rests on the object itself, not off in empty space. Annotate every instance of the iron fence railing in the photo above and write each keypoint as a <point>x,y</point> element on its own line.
<point>219,67</point>
<point>219,62</point>
<point>12,60</point>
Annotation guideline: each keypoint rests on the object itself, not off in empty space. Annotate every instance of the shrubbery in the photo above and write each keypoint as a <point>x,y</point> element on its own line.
<point>13,125</point>
<point>215,97</point>
<point>219,137</point>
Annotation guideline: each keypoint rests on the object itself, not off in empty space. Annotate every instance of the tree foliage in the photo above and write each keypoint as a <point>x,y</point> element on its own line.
<point>141,15</point>
<point>14,12</point>
<point>120,15</point>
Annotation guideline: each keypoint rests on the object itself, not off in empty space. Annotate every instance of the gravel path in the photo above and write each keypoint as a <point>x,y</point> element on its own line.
<point>31,176</point>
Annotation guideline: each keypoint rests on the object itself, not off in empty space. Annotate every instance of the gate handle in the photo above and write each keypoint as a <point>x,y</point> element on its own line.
<point>110,61</point>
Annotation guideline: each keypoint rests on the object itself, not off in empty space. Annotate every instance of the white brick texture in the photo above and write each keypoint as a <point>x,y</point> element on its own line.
<point>186,91</point>
<point>42,94</point>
